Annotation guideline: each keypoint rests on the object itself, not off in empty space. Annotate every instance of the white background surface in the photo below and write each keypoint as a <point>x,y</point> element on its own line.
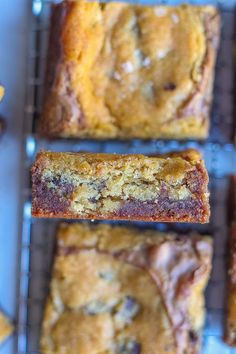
<point>13,51</point>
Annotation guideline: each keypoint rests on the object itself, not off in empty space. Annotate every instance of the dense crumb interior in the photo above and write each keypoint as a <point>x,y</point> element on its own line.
<point>130,71</point>
<point>95,186</point>
<point>124,290</point>
<point>106,192</point>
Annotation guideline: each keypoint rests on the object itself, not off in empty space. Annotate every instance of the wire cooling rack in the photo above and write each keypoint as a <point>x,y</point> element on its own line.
<point>38,236</point>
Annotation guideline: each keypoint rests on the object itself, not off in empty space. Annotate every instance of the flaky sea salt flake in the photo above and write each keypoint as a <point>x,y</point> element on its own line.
<point>161,54</point>
<point>146,62</point>
<point>116,76</point>
<point>175,18</point>
<point>160,11</point>
<point>127,67</point>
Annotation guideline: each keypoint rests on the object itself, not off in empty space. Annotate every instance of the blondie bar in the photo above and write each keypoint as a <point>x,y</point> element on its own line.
<point>127,187</point>
<point>118,290</point>
<point>119,70</point>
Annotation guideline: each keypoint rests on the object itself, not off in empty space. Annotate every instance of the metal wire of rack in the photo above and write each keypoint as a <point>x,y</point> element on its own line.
<point>38,236</point>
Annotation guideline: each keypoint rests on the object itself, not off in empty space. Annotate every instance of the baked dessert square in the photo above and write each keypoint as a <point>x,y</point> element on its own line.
<point>230,328</point>
<point>168,188</point>
<point>6,328</point>
<point>119,290</point>
<point>120,70</point>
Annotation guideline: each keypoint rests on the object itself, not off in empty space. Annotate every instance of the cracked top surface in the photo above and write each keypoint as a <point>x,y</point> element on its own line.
<point>118,290</point>
<point>120,70</point>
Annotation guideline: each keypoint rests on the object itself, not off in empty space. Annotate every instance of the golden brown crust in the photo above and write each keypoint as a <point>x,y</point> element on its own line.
<point>121,187</point>
<point>230,327</point>
<point>6,328</point>
<point>106,75</point>
<point>126,291</point>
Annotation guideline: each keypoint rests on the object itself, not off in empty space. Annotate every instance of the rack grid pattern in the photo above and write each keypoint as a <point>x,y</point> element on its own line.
<point>37,239</point>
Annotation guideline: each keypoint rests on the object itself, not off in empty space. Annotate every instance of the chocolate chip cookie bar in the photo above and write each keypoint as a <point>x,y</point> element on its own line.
<point>168,188</point>
<point>119,290</point>
<point>118,70</point>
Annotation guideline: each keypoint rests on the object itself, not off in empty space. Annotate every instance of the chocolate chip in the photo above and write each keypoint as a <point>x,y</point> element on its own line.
<point>131,305</point>
<point>170,86</point>
<point>193,336</point>
<point>129,347</point>
<point>95,307</point>
<point>107,275</point>
<point>127,309</point>
<point>55,180</point>
<point>102,6</point>
<point>98,187</point>
<point>101,186</point>
<point>65,188</point>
